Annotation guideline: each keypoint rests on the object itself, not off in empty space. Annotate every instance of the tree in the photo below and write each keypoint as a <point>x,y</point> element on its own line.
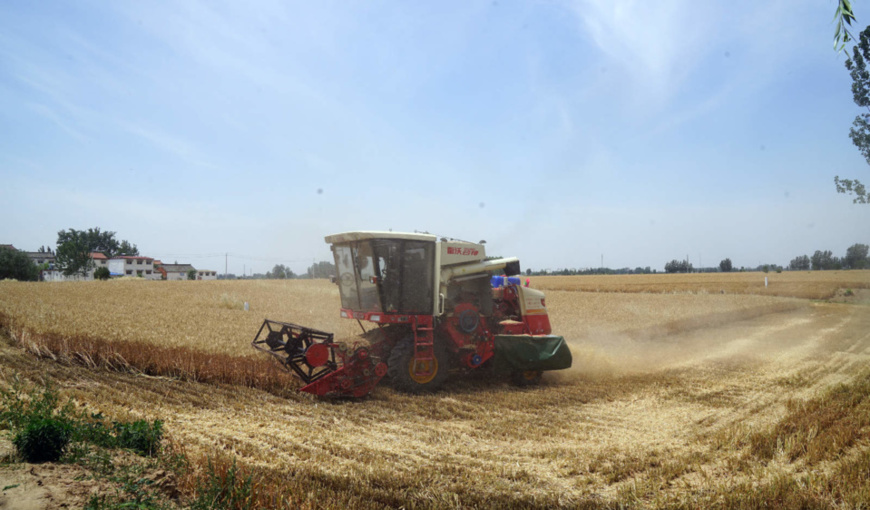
<point>102,273</point>
<point>860,131</point>
<point>191,274</point>
<point>856,257</point>
<point>824,260</point>
<point>99,241</point>
<point>844,16</point>
<point>73,252</point>
<point>17,265</point>
<point>280,272</point>
<point>801,263</point>
<point>125,248</point>
<point>678,266</point>
<point>321,269</point>
<point>725,266</point>
<point>93,239</point>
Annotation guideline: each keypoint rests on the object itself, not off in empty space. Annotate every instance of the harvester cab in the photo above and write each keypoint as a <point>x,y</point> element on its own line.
<point>439,306</point>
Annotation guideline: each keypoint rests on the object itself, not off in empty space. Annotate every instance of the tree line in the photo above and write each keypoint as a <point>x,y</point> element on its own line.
<point>589,271</point>
<point>74,248</point>
<point>322,269</point>
<point>856,258</point>
<point>72,257</point>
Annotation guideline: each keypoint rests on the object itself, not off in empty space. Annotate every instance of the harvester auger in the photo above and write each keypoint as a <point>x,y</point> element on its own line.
<point>438,308</point>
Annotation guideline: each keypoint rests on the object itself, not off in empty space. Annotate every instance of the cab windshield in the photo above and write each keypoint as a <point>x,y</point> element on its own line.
<point>386,275</point>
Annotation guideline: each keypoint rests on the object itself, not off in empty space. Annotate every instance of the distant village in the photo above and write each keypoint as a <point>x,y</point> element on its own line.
<point>119,266</point>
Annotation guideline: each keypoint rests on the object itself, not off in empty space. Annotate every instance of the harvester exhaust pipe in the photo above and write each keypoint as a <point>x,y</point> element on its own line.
<point>448,273</point>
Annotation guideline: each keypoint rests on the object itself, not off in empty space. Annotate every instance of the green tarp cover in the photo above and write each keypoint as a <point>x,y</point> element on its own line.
<point>514,353</point>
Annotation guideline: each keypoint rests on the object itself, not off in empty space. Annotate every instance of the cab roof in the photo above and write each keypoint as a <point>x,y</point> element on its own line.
<point>346,237</point>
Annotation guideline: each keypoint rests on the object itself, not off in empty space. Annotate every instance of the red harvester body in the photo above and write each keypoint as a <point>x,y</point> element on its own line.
<point>437,308</point>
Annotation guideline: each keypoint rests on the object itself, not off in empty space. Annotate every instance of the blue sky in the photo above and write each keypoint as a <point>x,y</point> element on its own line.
<point>559,131</point>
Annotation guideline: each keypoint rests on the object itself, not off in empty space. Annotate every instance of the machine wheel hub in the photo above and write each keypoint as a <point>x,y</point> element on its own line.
<point>428,369</point>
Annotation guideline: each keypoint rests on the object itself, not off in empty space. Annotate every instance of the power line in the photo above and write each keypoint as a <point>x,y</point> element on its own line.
<point>228,254</point>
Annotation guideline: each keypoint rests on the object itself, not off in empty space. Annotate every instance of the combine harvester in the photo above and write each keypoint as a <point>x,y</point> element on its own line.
<point>438,308</point>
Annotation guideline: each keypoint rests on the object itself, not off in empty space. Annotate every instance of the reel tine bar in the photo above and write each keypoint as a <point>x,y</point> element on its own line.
<point>291,345</point>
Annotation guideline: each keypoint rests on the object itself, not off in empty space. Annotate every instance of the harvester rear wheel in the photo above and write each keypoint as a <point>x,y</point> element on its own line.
<point>401,368</point>
<point>526,377</point>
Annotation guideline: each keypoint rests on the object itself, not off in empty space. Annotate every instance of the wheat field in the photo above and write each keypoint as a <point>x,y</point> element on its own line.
<point>210,315</point>
<point>673,392</point>
<point>800,284</point>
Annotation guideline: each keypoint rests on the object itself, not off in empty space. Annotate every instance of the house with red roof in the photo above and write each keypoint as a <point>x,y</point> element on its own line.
<point>99,261</point>
<point>177,271</point>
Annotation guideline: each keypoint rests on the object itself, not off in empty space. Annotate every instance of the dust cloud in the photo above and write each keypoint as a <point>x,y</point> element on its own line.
<point>744,342</point>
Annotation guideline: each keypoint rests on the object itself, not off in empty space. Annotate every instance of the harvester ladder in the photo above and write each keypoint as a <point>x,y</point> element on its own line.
<point>424,344</point>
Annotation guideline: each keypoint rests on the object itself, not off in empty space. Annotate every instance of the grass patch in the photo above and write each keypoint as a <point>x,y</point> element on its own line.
<point>133,489</point>
<point>42,428</point>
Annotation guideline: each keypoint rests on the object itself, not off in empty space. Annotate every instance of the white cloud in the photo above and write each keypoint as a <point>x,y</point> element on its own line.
<point>655,43</point>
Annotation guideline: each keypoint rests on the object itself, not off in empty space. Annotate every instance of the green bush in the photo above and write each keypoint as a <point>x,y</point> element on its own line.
<point>18,407</point>
<point>43,439</point>
<point>102,273</point>
<point>94,431</point>
<point>140,436</point>
<point>34,416</point>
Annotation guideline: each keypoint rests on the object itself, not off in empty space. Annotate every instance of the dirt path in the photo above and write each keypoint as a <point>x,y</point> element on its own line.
<point>627,408</point>
<point>45,486</point>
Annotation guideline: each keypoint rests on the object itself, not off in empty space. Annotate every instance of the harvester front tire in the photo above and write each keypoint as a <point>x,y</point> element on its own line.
<point>400,368</point>
<point>526,378</point>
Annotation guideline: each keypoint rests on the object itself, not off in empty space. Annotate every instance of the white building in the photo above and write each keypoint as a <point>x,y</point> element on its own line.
<point>128,265</point>
<point>206,274</point>
<point>41,257</point>
<point>176,271</point>
<point>55,275</point>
